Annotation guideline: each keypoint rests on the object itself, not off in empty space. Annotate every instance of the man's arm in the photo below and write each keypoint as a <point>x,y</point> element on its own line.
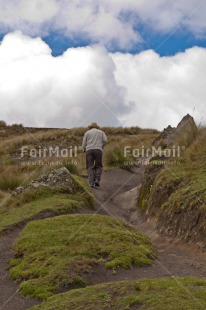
<point>104,139</point>
<point>84,142</point>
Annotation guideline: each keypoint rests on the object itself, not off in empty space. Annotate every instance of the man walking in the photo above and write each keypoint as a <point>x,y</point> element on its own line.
<point>93,143</point>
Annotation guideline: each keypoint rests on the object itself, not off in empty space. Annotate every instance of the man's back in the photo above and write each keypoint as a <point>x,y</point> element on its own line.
<point>94,139</point>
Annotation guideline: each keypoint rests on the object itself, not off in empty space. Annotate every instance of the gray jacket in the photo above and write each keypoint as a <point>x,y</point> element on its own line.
<point>94,139</point>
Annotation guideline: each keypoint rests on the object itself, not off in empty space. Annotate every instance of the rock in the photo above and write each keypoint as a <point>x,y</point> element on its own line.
<point>57,178</point>
<point>187,123</point>
<point>184,132</point>
<point>165,138</point>
<point>19,190</point>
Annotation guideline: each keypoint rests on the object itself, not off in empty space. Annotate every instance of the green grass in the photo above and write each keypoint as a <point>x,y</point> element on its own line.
<point>152,294</point>
<point>188,186</point>
<point>190,174</point>
<point>177,187</point>
<point>176,194</point>
<point>71,167</point>
<point>55,205</point>
<point>54,253</point>
<point>55,201</point>
<point>10,182</point>
<point>114,157</point>
<point>185,183</point>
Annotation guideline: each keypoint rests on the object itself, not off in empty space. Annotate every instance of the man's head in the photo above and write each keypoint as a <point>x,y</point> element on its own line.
<point>93,125</point>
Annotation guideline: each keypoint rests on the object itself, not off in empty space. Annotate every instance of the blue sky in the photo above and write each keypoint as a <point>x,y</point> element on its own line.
<point>129,26</point>
<point>110,66</point>
<point>165,45</point>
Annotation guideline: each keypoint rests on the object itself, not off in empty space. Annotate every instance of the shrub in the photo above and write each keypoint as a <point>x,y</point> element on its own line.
<point>17,126</point>
<point>71,167</point>
<point>10,182</point>
<point>13,177</point>
<point>115,157</point>
<point>3,124</point>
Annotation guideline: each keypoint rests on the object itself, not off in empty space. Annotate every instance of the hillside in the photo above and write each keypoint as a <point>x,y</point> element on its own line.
<point>64,246</point>
<point>175,195</point>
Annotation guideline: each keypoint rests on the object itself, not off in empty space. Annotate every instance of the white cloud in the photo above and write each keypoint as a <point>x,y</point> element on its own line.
<point>37,11</point>
<point>30,17</point>
<point>166,16</point>
<point>39,89</point>
<point>103,20</point>
<point>98,20</point>
<point>88,84</point>
<point>164,89</point>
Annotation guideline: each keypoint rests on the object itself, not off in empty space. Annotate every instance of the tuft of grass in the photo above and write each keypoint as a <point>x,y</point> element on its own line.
<point>14,176</point>
<point>10,182</point>
<point>71,167</point>
<point>114,151</point>
<point>152,294</point>
<point>114,157</point>
<point>55,253</point>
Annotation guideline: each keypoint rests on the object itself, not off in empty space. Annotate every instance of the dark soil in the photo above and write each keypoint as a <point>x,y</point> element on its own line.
<point>10,299</point>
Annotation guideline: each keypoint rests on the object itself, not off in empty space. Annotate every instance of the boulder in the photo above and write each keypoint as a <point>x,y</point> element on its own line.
<point>57,178</point>
<point>185,132</point>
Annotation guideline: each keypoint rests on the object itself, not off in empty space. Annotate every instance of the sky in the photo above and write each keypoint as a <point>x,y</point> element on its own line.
<point>67,63</point>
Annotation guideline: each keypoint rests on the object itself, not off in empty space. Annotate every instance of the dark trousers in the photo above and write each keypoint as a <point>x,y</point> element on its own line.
<point>94,165</point>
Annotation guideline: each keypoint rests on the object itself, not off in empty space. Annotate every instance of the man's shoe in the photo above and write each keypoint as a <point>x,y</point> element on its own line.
<point>96,183</point>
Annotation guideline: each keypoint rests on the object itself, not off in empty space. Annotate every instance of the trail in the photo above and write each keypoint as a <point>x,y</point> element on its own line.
<point>10,299</point>
<point>117,197</point>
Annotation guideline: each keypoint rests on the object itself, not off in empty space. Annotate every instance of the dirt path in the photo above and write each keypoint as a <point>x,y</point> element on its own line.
<point>10,299</point>
<point>116,197</point>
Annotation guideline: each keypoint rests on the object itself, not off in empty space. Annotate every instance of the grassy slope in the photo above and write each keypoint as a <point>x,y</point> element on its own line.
<point>54,253</point>
<point>12,143</point>
<point>13,211</point>
<point>152,294</point>
<point>31,204</point>
<point>118,138</point>
<point>189,175</point>
<point>177,195</point>
<point>188,191</point>
<point>56,204</point>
